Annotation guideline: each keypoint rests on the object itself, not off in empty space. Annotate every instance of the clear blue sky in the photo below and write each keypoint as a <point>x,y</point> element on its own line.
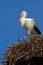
<point>10,28</point>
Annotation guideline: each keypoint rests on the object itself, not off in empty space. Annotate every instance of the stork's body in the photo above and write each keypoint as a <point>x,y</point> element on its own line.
<point>29,24</point>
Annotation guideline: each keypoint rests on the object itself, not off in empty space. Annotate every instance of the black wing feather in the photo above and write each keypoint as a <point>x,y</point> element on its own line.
<point>37,30</point>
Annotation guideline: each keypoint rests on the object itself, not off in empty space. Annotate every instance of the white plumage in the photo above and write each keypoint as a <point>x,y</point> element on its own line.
<point>29,24</point>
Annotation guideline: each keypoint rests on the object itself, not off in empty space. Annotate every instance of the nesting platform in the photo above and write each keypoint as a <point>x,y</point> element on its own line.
<point>21,53</point>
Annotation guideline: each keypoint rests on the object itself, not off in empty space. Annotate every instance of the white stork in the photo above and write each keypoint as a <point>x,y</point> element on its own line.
<point>29,24</point>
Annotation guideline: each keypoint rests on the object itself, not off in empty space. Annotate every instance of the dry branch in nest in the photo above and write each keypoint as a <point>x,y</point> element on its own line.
<point>21,52</point>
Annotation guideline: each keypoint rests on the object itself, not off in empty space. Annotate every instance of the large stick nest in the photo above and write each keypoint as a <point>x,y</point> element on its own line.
<point>23,51</point>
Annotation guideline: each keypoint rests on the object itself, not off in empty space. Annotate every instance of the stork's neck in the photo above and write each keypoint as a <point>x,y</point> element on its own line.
<point>22,19</point>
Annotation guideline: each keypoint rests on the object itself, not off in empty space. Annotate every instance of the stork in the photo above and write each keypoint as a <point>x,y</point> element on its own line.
<point>29,24</point>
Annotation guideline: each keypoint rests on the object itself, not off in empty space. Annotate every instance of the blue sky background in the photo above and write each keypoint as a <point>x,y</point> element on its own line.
<point>10,28</point>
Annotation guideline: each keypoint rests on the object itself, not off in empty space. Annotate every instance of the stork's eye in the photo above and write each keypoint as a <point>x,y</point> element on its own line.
<point>22,13</point>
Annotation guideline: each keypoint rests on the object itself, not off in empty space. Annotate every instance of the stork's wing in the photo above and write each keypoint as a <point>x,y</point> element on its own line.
<point>36,27</point>
<point>34,22</point>
<point>37,30</point>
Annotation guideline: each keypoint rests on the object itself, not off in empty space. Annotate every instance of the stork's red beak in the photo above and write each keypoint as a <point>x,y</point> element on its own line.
<point>20,18</point>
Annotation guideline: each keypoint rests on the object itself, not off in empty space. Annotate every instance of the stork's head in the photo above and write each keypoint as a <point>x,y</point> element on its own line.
<point>23,14</point>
